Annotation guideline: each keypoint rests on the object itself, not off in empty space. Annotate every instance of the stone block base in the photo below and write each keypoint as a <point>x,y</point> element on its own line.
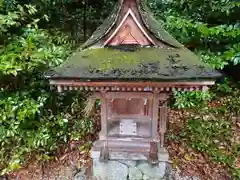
<point>163,155</point>
<point>128,170</point>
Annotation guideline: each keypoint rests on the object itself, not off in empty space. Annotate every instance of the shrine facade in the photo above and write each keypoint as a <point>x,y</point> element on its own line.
<point>132,64</point>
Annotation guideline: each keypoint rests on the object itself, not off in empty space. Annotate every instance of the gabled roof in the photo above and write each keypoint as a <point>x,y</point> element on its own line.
<point>165,59</point>
<point>139,63</point>
<point>154,26</point>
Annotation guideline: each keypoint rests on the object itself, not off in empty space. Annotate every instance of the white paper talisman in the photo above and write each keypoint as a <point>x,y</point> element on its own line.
<point>128,127</point>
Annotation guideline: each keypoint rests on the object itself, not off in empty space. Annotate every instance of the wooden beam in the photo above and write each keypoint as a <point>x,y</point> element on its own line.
<point>155,117</point>
<point>103,132</point>
<point>129,95</point>
<point>163,99</point>
<point>134,84</point>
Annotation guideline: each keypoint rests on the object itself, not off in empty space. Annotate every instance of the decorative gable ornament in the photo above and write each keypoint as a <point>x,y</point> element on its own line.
<point>129,31</point>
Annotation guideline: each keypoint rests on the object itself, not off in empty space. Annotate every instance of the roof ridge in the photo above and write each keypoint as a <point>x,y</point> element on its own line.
<point>148,19</point>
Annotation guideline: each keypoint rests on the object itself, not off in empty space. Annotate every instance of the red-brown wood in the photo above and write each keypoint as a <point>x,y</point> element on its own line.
<point>129,32</point>
<point>103,133</point>
<point>132,84</point>
<point>155,110</point>
<point>129,28</point>
<point>163,100</point>
<point>127,104</point>
<point>122,106</point>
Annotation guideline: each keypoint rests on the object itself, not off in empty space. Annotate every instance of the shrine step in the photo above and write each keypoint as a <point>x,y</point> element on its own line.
<point>122,146</point>
<point>121,155</point>
<point>118,150</point>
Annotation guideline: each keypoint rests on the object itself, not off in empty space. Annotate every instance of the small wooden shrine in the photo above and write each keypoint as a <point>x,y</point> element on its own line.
<point>132,64</point>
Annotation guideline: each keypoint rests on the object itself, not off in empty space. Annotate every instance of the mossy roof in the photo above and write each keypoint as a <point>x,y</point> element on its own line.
<point>160,64</point>
<point>165,63</point>
<point>154,26</point>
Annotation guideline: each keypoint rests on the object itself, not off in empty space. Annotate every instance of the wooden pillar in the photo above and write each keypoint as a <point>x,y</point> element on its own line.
<point>162,116</point>
<point>155,117</point>
<point>103,132</point>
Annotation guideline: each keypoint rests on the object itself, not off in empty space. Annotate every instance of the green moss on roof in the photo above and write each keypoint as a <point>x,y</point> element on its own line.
<point>106,58</point>
<point>171,62</point>
<point>142,63</point>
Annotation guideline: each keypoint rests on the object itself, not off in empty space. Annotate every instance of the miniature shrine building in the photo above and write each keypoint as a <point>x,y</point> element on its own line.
<point>132,64</point>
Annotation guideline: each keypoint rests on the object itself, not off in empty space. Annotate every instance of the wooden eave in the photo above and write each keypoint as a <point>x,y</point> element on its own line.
<point>65,85</point>
<point>171,61</point>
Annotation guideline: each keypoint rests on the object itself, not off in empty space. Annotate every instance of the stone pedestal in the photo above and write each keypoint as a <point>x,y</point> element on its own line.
<point>128,170</point>
<point>122,166</point>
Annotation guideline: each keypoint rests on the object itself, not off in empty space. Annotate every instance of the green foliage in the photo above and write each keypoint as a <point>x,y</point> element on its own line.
<point>81,125</point>
<point>35,48</point>
<point>209,28</point>
<point>212,131</point>
<point>81,128</point>
<point>233,103</point>
<point>34,120</point>
<point>224,88</point>
<point>8,20</point>
<point>209,130</point>
<point>23,130</point>
<point>76,17</point>
<point>191,99</point>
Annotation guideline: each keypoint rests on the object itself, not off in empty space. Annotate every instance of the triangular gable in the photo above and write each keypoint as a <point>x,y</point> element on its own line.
<point>152,26</point>
<point>130,39</point>
<point>129,31</point>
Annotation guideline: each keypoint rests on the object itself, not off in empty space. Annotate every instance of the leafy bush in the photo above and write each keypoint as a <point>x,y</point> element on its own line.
<point>211,30</point>
<point>191,99</point>
<point>233,102</point>
<point>224,88</point>
<point>211,130</point>
<point>34,120</point>
<point>81,128</point>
